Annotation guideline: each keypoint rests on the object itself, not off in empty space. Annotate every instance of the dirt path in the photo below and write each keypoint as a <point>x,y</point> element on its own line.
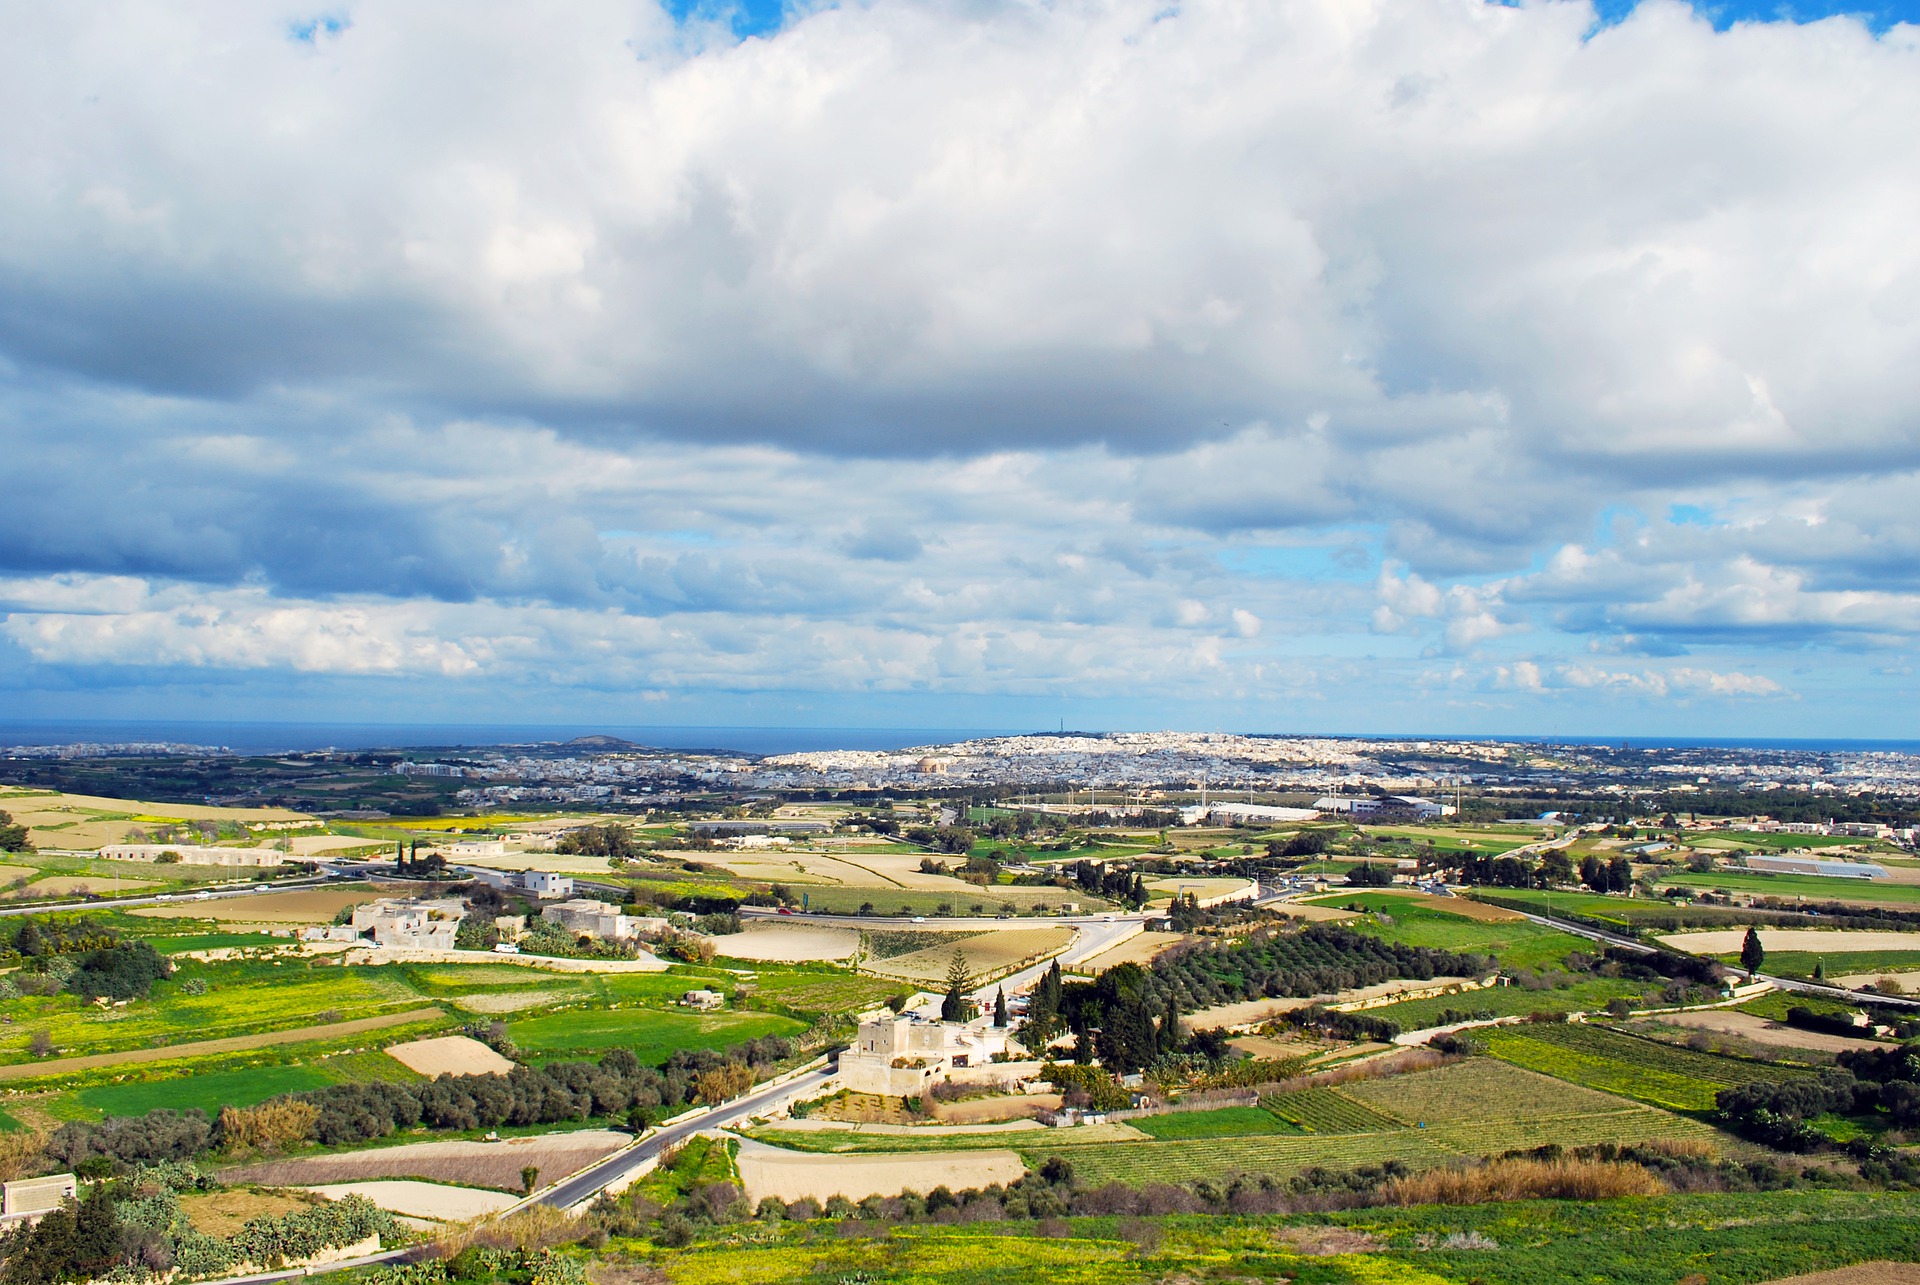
<point>237,1044</point>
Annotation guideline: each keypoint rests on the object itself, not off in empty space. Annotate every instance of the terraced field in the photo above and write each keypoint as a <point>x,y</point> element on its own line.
<point>1225,1122</point>
<point>1326,1110</point>
<point>1474,1108</point>
<point>1658,1074</point>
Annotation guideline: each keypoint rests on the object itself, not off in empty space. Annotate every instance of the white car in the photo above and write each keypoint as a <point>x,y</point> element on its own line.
<point>919,919</point>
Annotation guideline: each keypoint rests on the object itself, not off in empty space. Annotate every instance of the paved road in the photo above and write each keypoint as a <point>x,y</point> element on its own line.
<point>1783,983</point>
<point>585,1186</point>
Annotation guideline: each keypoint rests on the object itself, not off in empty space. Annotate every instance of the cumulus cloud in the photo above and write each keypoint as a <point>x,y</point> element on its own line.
<point>997,346</point>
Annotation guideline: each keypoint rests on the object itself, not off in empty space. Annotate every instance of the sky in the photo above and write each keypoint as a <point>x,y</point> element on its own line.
<point>1256,365</point>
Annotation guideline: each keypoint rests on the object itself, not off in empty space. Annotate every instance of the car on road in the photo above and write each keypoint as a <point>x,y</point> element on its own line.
<point>919,919</point>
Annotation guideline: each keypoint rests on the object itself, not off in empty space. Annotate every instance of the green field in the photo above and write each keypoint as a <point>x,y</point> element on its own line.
<point>1726,1238</point>
<point>652,1035</point>
<point>1648,1071</point>
<point>1423,921</point>
<point>823,992</point>
<point>1589,994</point>
<point>1800,963</point>
<point>1801,887</point>
<point>1226,1122</point>
<point>242,999</point>
<point>1472,1108</point>
<point>209,1091</point>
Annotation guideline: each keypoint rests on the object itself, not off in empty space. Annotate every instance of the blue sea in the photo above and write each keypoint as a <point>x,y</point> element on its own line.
<point>270,738</point>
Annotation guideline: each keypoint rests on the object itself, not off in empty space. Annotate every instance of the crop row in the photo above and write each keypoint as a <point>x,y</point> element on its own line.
<point>1625,1126</point>
<point>1661,1075</point>
<point>1324,1110</point>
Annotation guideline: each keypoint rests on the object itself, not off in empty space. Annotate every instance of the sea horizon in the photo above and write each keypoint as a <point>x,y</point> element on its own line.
<point>270,737</point>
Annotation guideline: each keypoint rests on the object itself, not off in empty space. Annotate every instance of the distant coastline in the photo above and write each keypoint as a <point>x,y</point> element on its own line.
<point>277,737</point>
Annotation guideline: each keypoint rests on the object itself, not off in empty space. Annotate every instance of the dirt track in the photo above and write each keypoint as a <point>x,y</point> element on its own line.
<point>237,1044</point>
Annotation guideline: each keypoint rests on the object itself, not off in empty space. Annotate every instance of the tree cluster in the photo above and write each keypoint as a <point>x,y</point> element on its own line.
<point>616,1087</point>
<point>609,840</point>
<point>1319,959</point>
<point>13,838</point>
<point>1115,885</point>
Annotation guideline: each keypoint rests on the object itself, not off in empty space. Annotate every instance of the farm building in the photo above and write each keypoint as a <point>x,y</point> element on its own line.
<point>1790,865</point>
<point>410,925</point>
<point>901,1056</point>
<point>598,919</point>
<point>704,1000</point>
<point>189,854</point>
<point>27,1200</point>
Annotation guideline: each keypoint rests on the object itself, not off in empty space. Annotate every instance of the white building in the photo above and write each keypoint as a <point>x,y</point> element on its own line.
<point>30,1199</point>
<point>1789,865</point>
<point>901,1056</point>
<point>1359,806</point>
<point>598,919</point>
<point>410,925</point>
<point>546,885</point>
<point>473,848</point>
<point>1241,813</point>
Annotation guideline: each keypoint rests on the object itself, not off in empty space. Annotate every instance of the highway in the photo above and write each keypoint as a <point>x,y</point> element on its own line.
<point>169,899</point>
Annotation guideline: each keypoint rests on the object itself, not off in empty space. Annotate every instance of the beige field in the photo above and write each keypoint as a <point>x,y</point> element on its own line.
<point>507,1003</point>
<point>768,867</point>
<point>449,1055</point>
<point>423,1199</point>
<point>1858,1274</point>
<point>1203,888</point>
<point>781,943</point>
<point>222,1213</point>
<point>1142,948</point>
<point>1246,1012</point>
<point>88,821</point>
<point>305,906</point>
<point>61,885</point>
<point>558,862</point>
<point>1748,1026</point>
<point>481,1164</point>
<point>794,1175</point>
<point>1728,941</point>
<point>307,845</point>
<point>986,954</point>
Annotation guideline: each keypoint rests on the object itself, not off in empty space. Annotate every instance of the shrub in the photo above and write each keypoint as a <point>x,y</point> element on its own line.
<point>269,1126</point>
